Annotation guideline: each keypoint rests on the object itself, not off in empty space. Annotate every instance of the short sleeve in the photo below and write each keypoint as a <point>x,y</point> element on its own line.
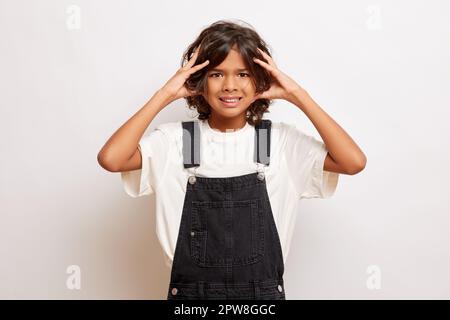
<point>154,150</point>
<point>305,157</point>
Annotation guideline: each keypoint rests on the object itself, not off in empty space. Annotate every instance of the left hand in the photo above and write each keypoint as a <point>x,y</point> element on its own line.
<point>283,87</point>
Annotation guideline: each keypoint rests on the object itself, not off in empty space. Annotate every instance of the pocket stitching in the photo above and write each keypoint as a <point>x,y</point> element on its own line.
<point>199,242</point>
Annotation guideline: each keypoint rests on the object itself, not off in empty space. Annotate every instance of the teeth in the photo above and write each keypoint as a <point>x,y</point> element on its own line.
<point>232,100</point>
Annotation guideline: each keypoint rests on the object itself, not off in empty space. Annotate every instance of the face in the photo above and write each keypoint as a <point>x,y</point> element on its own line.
<point>230,79</point>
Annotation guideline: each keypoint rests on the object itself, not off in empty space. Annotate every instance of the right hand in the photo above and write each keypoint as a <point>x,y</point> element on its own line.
<point>175,86</point>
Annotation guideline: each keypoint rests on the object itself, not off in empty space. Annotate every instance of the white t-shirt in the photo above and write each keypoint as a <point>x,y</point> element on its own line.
<point>295,172</point>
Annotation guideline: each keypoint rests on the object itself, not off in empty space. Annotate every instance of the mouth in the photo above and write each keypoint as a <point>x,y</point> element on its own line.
<point>230,102</point>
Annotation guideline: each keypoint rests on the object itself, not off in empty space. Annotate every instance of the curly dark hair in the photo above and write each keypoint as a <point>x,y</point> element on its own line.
<point>216,42</point>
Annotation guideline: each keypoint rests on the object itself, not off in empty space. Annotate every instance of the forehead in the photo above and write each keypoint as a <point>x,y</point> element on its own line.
<point>233,62</point>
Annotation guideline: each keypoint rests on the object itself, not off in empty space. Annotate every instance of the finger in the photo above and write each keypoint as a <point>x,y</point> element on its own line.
<point>265,65</point>
<point>192,93</point>
<point>191,61</point>
<point>264,54</point>
<point>256,97</point>
<point>268,58</point>
<point>193,58</point>
<point>198,67</point>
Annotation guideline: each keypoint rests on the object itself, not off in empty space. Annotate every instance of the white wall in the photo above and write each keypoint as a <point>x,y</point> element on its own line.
<point>379,68</point>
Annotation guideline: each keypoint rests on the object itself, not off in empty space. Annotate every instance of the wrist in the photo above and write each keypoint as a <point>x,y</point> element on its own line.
<point>164,96</point>
<point>297,96</point>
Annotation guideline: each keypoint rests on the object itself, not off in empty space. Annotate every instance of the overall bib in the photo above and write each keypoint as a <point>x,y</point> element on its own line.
<point>228,245</point>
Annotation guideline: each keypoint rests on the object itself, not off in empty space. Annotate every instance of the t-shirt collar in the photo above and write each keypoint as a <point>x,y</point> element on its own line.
<point>216,132</point>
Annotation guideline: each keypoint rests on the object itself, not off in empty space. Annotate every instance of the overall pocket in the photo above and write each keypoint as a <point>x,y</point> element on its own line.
<point>226,232</point>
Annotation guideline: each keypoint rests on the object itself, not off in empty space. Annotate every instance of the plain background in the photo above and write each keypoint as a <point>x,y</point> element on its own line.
<point>72,72</point>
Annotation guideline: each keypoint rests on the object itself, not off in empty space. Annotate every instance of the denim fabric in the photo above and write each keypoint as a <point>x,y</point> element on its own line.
<point>228,245</point>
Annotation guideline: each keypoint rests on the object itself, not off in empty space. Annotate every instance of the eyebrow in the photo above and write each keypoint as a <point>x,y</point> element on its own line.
<point>216,69</point>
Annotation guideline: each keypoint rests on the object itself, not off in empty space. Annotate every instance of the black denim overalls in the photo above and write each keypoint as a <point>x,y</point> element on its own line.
<point>228,245</point>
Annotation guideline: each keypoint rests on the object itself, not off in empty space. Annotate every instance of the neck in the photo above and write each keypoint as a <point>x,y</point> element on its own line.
<point>225,124</point>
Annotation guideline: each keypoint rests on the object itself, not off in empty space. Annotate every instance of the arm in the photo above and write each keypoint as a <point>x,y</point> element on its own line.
<point>344,155</point>
<point>120,152</point>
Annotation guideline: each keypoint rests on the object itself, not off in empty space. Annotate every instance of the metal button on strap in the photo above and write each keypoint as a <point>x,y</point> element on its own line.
<point>280,288</point>
<point>174,291</point>
<point>192,233</point>
<point>260,176</point>
<point>192,179</point>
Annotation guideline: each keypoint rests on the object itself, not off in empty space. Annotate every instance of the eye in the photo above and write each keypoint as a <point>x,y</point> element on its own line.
<point>244,74</point>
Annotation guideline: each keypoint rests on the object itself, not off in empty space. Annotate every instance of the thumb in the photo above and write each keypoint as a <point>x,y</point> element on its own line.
<point>192,92</point>
<point>256,97</point>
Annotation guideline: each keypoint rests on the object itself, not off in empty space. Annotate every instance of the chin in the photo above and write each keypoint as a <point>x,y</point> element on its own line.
<point>229,112</point>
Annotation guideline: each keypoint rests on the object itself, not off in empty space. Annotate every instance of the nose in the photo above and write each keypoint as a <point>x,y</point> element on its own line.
<point>229,84</point>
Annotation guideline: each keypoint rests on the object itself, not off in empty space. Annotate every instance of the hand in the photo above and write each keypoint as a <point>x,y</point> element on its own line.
<point>175,86</point>
<point>283,87</point>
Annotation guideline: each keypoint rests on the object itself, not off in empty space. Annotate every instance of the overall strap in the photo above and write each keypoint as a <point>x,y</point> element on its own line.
<point>191,144</point>
<point>262,142</point>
